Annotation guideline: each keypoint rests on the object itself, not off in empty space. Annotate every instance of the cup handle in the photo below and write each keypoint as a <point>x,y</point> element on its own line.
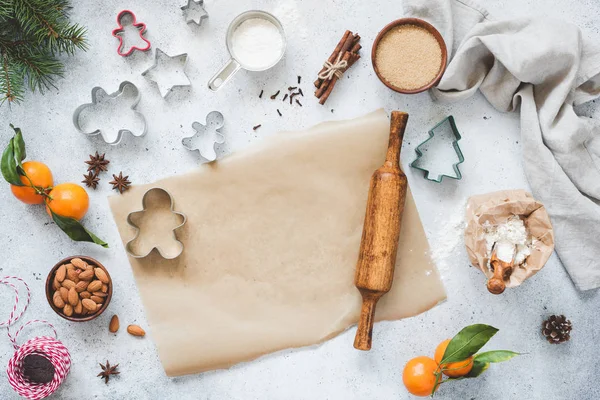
<point>224,74</point>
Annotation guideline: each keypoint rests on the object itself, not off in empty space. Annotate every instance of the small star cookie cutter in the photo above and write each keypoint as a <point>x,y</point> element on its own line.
<point>160,57</point>
<point>118,33</point>
<point>99,96</point>
<point>194,12</point>
<point>206,136</point>
<point>447,122</point>
<point>133,221</point>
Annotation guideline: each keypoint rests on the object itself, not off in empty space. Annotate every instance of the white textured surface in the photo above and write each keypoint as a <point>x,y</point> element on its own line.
<point>31,245</point>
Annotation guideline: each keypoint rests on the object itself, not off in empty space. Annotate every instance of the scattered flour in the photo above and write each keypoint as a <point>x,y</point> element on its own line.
<point>450,236</point>
<point>512,238</point>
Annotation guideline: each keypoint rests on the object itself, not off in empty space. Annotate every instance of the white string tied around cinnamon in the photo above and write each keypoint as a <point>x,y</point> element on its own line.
<point>334,69</point>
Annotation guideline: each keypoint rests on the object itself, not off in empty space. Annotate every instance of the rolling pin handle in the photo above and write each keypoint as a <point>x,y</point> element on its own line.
<point>364,333</point>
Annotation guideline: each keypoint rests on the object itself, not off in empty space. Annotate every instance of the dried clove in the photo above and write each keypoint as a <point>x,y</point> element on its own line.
<point>300,91</point>
<point>285,97</point>
<point>299,79</point>
<point>273,97</point>
<point>258,126</point>
<point>292,88</point>
<point>261,93</point>
<point>279,112</point>
<point>298,102</point>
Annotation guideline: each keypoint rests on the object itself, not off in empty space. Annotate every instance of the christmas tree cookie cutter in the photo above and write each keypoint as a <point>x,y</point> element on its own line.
<point>447,123</point>
<point>120,31</point>
<point>127,93</point>
<point>206,136</point>
<point>152,230</point>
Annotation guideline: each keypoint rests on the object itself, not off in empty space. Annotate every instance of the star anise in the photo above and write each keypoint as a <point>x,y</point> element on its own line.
<point>107,371</point>
<point>120,183</point>
<point>91,179</point>
<point>97,163</point>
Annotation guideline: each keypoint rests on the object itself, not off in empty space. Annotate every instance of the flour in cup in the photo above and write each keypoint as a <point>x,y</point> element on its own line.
<point>257,43</point>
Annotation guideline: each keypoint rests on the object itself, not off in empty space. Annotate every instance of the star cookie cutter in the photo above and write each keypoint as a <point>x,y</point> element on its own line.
<point>160,57</point>
<point>118,33</point>
<point>447,122</point>
<point>99,96</point>
<point>132,220</point>
<point>194,12</point>
<point>206,136</point>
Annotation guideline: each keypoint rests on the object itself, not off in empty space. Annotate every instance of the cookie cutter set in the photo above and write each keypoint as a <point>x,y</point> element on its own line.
<point>120,30</point>
<point>446,123</point>
<point>133,217</point>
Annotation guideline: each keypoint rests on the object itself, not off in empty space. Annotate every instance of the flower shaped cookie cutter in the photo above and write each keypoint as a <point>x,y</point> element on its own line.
<point>133,220</point>
<point>118,33</point>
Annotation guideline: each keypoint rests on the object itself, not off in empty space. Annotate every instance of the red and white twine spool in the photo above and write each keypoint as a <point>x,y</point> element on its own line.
<point>46,346</point>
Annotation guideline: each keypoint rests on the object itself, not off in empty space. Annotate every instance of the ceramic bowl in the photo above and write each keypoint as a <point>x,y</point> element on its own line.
<point>421,24</point>
<point>50,291</point>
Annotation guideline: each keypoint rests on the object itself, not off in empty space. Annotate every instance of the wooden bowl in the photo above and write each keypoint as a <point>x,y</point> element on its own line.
<point>421,24</point>
<point>50,291</point>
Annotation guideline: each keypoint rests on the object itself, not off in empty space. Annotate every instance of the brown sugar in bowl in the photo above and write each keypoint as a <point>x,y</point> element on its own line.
<point>419,23</point>
<point>50,290</point>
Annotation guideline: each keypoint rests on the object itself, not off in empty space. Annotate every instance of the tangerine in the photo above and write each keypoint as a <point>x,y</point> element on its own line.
<point>40,176</point>
<point>419,376</point>
<point>453,369</point>
<point>68,200</point>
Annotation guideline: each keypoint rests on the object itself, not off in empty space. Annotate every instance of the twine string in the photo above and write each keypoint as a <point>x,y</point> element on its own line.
<point>336,68</point>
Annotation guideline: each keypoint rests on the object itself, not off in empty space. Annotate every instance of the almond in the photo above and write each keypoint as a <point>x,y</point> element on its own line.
<point>61,273</point>
<point>73,297</point>
<point>96,299</point>
<point>81,286</point>
<point>100,294</point>
<point>89,304</point>
<point>72,274</point>
<point>67,283</point>
<point>113,327</point>
<point>94,286</point>
<point>55,284</point>
<point>135,330</point>
<point>105,288</point>
<point>85,295</point>
<point>86,275</point>
<point>68,310</point>
<point>78,308</point>
<point>64,294</point>
<point>100,274</point>
<point>98,306</point>
<point>79,263</point>
<point>57,300</point>
<point>69,266</point>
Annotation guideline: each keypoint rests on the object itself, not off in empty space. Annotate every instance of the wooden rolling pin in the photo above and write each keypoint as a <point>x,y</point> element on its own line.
<point>379,244</point>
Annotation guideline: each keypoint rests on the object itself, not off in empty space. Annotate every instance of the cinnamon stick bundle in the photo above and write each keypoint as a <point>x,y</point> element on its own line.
<point>346,50</point>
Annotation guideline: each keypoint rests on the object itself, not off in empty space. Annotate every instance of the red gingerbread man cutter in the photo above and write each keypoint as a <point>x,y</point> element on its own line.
<point>118,33</point>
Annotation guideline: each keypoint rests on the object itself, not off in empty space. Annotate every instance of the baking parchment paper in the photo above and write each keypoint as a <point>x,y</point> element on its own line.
<point>271,245</point>
<point>496,208</point>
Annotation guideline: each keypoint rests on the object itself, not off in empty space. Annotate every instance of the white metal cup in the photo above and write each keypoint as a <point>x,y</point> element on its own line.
<point>234,64</point>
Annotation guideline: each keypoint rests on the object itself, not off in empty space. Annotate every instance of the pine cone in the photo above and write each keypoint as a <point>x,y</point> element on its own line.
<point>557,329</point>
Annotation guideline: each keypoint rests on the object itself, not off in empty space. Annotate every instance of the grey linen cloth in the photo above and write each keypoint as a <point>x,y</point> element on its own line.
<point>542,67</point>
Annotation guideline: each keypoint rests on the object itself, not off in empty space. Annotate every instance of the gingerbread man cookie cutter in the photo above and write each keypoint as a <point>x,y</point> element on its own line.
<point>151,198</point>
<point>120,30</point>
<point>206,136</point>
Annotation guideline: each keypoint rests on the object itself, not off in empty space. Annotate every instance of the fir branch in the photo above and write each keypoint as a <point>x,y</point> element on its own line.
<point>38,68</point>
<point>11,82</point>
<point>6,8</point>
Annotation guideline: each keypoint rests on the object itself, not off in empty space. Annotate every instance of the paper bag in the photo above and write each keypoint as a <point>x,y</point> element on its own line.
<point>271,243</point>
<point>496,208</point>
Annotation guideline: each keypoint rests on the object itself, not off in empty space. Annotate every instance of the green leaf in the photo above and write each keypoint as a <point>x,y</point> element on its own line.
<point>468,342</point>
<point>19,146</point>
<point>495,356</point>
<point>8,165</point>
<point>76,231</point>
<point>479,368</point>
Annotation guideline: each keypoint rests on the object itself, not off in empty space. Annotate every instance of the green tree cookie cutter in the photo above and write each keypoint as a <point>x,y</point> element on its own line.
<point>461,159</point>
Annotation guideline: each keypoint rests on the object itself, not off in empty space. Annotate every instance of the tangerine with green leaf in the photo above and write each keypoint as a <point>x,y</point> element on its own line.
<point>453,369</point>
<point>68,200</point>
<point>38,180</point>
<point>419,376</point>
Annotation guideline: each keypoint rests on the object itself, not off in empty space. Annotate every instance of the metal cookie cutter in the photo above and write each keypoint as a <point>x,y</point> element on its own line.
<point>194,12</point>
<point>155,195</point>
<point>161,59</point>
<point>118,33</point>
<point>206,136</point>
<point>100,97</point>
<point>447,123</point>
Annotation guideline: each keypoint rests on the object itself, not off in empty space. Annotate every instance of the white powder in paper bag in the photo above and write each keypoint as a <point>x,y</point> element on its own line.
<point>510,235</point>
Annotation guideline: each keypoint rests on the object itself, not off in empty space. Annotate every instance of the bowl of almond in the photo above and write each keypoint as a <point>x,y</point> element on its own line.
<point>79,288</point>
